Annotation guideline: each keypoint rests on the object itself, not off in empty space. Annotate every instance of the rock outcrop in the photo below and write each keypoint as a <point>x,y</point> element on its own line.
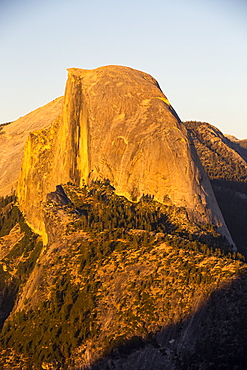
<point>117,125</point>
<point>13,138</point>
<point>58,196</point>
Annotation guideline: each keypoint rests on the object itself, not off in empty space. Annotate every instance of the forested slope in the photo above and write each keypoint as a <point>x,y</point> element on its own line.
<point>119,275</point>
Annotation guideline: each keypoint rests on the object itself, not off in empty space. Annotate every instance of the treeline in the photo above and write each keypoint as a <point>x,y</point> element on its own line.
<point>117,212</point>
<point>99,209</point>
<point>118,235</point>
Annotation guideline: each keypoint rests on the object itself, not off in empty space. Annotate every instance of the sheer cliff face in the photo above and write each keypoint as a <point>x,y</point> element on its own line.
<point>13,137</point>
<point>117,125</point>
<point>38,175</point>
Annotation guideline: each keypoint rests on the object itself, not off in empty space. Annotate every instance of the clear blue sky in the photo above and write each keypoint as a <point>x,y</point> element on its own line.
<point>196,49</point>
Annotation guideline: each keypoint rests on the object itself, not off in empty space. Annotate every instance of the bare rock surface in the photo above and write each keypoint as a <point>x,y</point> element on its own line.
<point>117,125</point>
<point>13,137</point>
<point>58,196</point>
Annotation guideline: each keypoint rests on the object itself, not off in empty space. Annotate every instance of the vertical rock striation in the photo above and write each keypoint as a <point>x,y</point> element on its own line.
<point>13,137</point>
<point>117,125</point>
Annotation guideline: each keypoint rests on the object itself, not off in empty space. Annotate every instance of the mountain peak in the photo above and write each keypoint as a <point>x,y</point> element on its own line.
<point>118,125</point>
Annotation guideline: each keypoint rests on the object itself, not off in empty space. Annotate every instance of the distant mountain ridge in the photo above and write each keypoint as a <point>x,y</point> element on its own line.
<point>220,156</point>
<point>239,145</point>
<point>224,159</point>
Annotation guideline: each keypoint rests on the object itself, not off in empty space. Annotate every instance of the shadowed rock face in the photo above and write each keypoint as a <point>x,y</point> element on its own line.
<point>224,159</point>
<point>118,125</point>
<point>58,197</point>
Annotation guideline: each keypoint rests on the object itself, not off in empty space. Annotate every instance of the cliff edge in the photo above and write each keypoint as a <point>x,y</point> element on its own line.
<point>117,125</point>
<point>13,137</point>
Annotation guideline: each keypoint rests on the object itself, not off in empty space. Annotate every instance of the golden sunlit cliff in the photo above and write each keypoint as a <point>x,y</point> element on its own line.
<point>114,253</point>
<point>13,137</point>
<point>116,125</point>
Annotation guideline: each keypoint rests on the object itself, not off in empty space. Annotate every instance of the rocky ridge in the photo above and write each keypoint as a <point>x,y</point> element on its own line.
<point>221,157</point>
<point>116,125</point>
<point>224,159</point>
<point>13,137</point>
